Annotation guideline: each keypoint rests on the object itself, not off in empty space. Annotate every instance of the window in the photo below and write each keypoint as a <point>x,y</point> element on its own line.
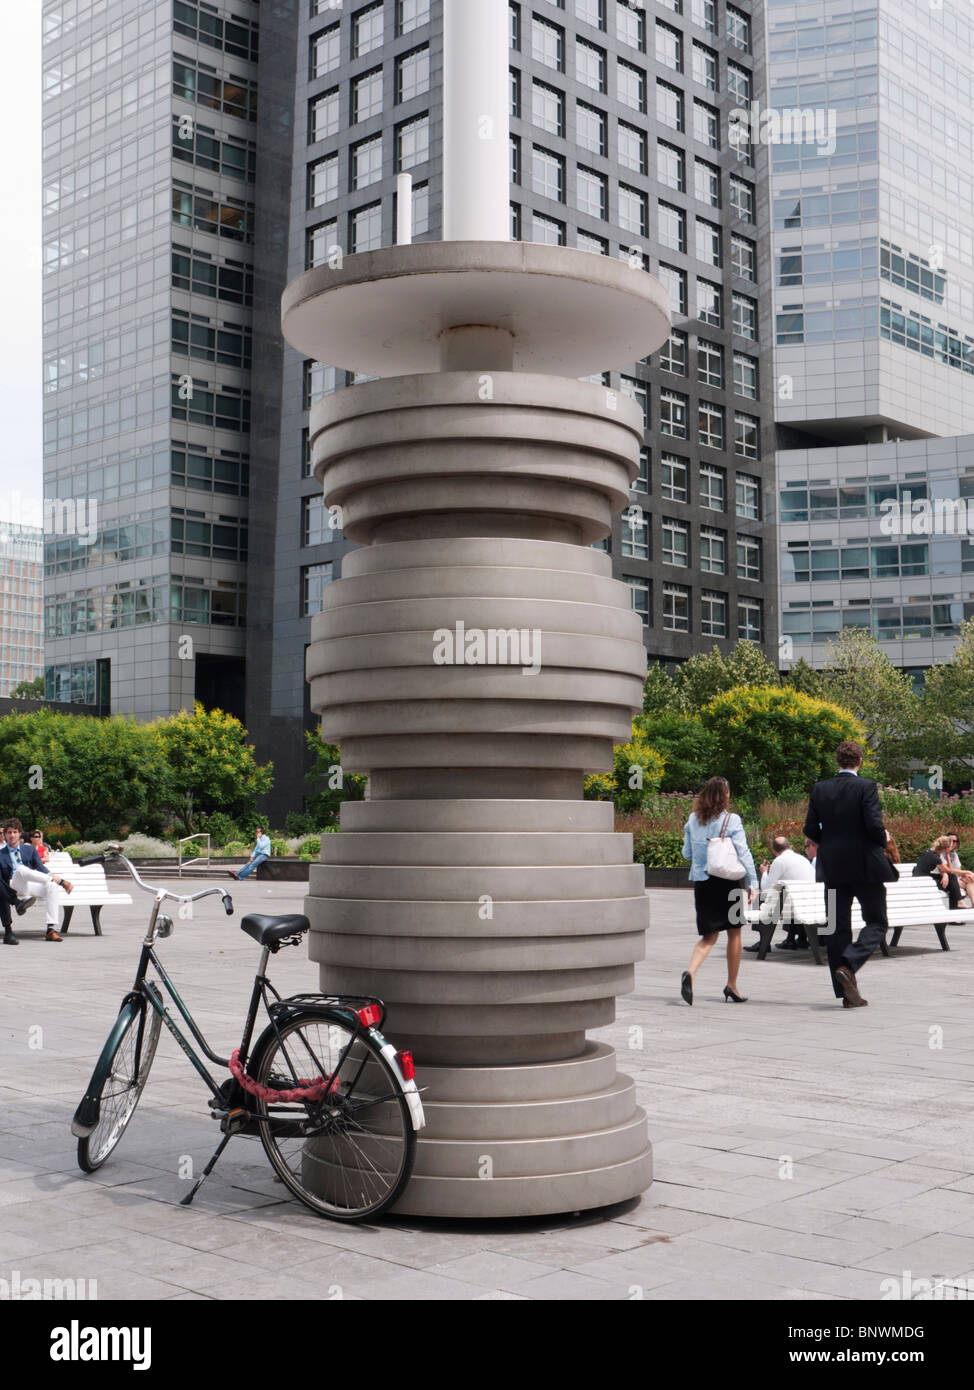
<point>548,44</point>
<point>548,108</point>
<point>641,480</point>
<point>413,143</point>
<point>675,283</point>
<point>366,229</point>
<point>672,227</point>
<point>639,597</point>
<point>742,198</point>
<point>367,95</point>
<point>631,25</point>
<point>515,159</point>
<point>367,162</point>
<point>671,167</point>
<point>713,550</point>
<point>515,93</point>
<point>748,558</point>
<point>367,28</point>
<point>593,193</point>
<point>706,125</point>
<point>548,174</point>
<point>592,128</point>
<point>421,209</point>
<point>547,230</point>
<point>669,106</point>
<point>748,496</point>
<point>633,148</point>
<point>704,13</point>
<point>706,182</point>
<point>676,608</point>
<point>322,244</point>
<point>738,29</point>
<point>713,613</point>
<point>745,376</point>
<point>591,12</point>
<point>326,51</point>
<point>750,620</point>
<point>319,381</point>
<point>710,425</point>
<point>745,317</point>
<point>635,535</point>
<point>631,83</point>
<point>596,244</point>
<point>314,521</point>
<point>739,84</point>
<point>633,210</point>
<point>637,391</point>
<point>323,181</point>
<point>746,435</point>
<point>710,303</point>
<point>413,74</point>
<point>744,259</point>
<point>674,478</point>
<point>712,487</point>
<point>704,66</point>
<point>314,580</point>
<point>708,243</point>
<point>411,14</point>
<point>710,364</point>
<point>673,414</point>
<point>323,117</point>
<point>676,543</point>
<point>514,15</point>
<point>590,65</point>
<point>669,47</point>
<point>673,354</point>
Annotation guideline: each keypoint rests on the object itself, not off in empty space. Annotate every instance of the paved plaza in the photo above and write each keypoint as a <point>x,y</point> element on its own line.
<point>803,1151</point>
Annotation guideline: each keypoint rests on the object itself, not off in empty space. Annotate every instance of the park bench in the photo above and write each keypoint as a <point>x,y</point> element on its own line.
<point>89,888</point>
<point>910,902</point>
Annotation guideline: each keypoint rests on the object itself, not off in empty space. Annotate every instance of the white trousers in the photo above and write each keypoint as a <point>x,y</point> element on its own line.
<point>31,883</point>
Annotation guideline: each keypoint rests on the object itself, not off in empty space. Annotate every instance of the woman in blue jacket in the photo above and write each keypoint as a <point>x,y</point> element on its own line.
<point>718,901</point>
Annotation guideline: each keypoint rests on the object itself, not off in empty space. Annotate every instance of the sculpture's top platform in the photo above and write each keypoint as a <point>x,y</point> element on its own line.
<point>385,313</point>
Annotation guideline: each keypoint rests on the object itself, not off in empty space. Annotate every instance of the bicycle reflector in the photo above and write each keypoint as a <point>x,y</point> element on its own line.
<point>405,1060</point>
<point>370,1015</point>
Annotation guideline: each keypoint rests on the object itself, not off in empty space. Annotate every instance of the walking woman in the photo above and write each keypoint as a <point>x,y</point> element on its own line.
<point>718,901</point>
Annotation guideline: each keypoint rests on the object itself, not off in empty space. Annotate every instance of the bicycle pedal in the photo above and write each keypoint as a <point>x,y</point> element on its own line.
<point>234,1121</point>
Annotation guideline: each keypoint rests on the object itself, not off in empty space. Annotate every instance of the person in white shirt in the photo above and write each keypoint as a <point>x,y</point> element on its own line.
<point>785,865</point>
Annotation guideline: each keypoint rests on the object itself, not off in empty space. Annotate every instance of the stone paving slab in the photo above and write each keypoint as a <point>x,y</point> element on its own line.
<point>803,1151</point>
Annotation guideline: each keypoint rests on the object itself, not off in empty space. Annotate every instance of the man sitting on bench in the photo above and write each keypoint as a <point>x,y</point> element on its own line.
<point>22,872</point>
<point>786,865</point>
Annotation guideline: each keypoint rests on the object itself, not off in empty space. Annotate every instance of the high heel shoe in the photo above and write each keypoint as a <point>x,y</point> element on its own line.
<point>733,998</point>
<point>686,986</point>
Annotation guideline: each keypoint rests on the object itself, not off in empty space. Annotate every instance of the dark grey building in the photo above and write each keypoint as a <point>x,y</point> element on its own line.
<point>620,145</point>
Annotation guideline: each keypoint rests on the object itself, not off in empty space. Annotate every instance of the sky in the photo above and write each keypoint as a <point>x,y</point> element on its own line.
<point>20,255</point>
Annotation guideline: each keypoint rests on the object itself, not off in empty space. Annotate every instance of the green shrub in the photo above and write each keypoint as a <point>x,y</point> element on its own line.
<point>298,823</point>
<point>222,828</point>
<point>280,847</point>
<point>311,847</point>
<point>236,849</point>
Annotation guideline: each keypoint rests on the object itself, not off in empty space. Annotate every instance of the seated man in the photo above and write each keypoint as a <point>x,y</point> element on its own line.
<point>786,865</point>
<point>8,900</point>
<point>22,872</point>
<point>260,852</point>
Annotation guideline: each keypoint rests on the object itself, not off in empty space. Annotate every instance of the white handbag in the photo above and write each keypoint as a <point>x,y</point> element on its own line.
<point>722,860</point>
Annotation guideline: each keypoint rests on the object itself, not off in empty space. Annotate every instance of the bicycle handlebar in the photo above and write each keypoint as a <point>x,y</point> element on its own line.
<point>115,853</point>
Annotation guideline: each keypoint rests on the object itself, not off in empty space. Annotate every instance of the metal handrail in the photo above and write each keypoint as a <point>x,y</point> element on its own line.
<point>188,840</point>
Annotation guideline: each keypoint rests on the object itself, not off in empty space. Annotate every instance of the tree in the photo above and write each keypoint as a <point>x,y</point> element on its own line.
<point>807,680</point>
<point>947,712</point>
<point>864,681</point>
<point>687,748</point>
<point>637,770</point>
<point>210,766</point>
<point>29,690</point>
<point>659,690</point>
<point>702,678</point>
<point>772,740</point>
<point>332,785</point>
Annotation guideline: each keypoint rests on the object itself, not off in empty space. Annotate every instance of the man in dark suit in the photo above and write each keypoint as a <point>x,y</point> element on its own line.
<point>23,878</point>
<point>845,821</point>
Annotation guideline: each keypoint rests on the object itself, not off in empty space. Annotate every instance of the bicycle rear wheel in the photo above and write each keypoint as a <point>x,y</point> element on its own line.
<point>349,1155</point>
<point>128,1071</point>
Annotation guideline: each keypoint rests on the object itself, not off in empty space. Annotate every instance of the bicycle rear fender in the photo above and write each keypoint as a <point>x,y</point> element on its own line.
<point>88,1112</point>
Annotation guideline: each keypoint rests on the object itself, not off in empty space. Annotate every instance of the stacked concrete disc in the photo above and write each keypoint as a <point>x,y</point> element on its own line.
<point>496,912</point>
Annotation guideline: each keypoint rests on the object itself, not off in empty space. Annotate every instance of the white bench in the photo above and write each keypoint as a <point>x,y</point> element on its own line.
<point>910,902</point>
<point>89,888</point>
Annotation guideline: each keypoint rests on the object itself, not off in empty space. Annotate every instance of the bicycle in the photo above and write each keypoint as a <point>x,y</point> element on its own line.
<point>334,1104</point>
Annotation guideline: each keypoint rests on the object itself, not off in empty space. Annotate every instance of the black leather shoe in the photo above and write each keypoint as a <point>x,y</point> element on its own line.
<point>755,947</point>
<point>686,987</point>
<point>10,940</point>
<point>23,904</point>
<point>847,983</point>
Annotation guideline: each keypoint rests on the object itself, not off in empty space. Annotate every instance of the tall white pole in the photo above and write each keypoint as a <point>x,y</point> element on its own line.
<point>404,209</point>
<point>476,120</point>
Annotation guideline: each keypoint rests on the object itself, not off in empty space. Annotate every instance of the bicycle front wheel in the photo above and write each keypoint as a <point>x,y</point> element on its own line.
<point>128,1071</point>
<point>349,1155</point>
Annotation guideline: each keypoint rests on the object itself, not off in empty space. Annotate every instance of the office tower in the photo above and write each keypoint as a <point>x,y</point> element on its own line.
<point>21,615</point>
<point>873,237</point>
<point>620,145</point>
<point>150,154</point>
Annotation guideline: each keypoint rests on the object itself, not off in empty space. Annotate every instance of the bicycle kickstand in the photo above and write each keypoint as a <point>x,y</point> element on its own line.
<point>185,1201</point>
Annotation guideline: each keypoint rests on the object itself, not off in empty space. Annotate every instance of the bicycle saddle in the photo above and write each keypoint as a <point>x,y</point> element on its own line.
<point>270,931</point>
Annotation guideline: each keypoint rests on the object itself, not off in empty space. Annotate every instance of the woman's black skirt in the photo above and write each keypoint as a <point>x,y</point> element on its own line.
<point>719,903</point>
